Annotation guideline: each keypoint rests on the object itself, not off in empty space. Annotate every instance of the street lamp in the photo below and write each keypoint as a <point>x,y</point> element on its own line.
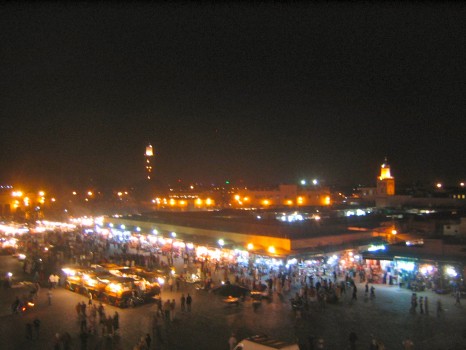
<point>394,233</point>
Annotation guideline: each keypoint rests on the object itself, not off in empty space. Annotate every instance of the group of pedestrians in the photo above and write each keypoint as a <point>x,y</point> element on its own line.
<point>422,302</point>
<point>33,329</point>
<point>168,308</point>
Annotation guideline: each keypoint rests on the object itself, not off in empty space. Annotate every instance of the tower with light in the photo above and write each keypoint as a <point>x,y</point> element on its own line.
<point>385,182</point>
<point>149,156</point>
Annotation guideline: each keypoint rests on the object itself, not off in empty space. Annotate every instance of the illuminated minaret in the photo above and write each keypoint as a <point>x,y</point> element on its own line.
<point>385,182</point>
<point>149,156</point>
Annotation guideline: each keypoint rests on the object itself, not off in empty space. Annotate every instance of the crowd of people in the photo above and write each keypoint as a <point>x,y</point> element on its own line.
<point>307,286</point>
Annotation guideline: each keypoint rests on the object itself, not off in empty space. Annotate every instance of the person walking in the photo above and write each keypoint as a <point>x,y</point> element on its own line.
<point>170,284</point>
<point>439,308</point>
<point>352,340</point>
<point>355,293</point>
<point>311,340</point>
<point>148,340</point>
<point>78,309</point>
<point>189,301</point>
<point>49,296</point>
<point>232,341</point>
<point>116,322</point>
<point>413,303</point>
<point>51,281</point>
<point>172,309</point>
<point>183,303</point>
<point>421,305</point>
<point>28,331</point>
<point>57,342</point>
<point>426,305</point>
<point>83,322</point>
<point>458,297</point>
<point>320,343</point>
<point>157,328</point>
<point>373,345</point>
<point>166,309</point>
<point>66,340</point>
<point>83,337</point>
<point>36,324</point>
<point>37,287</point>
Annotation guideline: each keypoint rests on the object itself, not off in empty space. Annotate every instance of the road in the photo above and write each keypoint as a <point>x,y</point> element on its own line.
<point>210,323</point>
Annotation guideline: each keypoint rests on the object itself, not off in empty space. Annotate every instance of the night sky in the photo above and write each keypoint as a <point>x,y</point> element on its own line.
<point>256,94</point>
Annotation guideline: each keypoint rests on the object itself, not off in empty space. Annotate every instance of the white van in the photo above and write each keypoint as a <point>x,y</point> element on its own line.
<point>262,342</point>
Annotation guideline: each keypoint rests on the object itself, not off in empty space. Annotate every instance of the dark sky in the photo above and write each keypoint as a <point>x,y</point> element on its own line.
<point>264,93</point>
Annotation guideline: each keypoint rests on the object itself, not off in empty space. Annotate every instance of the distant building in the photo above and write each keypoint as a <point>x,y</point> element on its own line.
<point>289,195</point>
<point>386,197</point>
<point>385,188</point>
<point>19,205</point>
<point>196,198</point>
<point>8,203</point>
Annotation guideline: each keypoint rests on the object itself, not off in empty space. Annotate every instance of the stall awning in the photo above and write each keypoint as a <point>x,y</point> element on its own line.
<point>379,255</point>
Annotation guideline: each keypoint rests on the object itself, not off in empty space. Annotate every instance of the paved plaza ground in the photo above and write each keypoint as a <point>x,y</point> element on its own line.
<point>210,323</point>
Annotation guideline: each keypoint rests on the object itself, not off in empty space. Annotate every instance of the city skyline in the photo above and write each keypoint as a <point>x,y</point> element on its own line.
<point>253,94</point>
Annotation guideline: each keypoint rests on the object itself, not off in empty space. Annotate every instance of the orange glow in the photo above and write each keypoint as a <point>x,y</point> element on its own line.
<point>289,202</point>
<point>149,151</point>
<point>300,200</point>
<point>385,172</point>
<point>250,246</point>
<point>266,202</point>
<point>208,201</point>
<point>327,200</point>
